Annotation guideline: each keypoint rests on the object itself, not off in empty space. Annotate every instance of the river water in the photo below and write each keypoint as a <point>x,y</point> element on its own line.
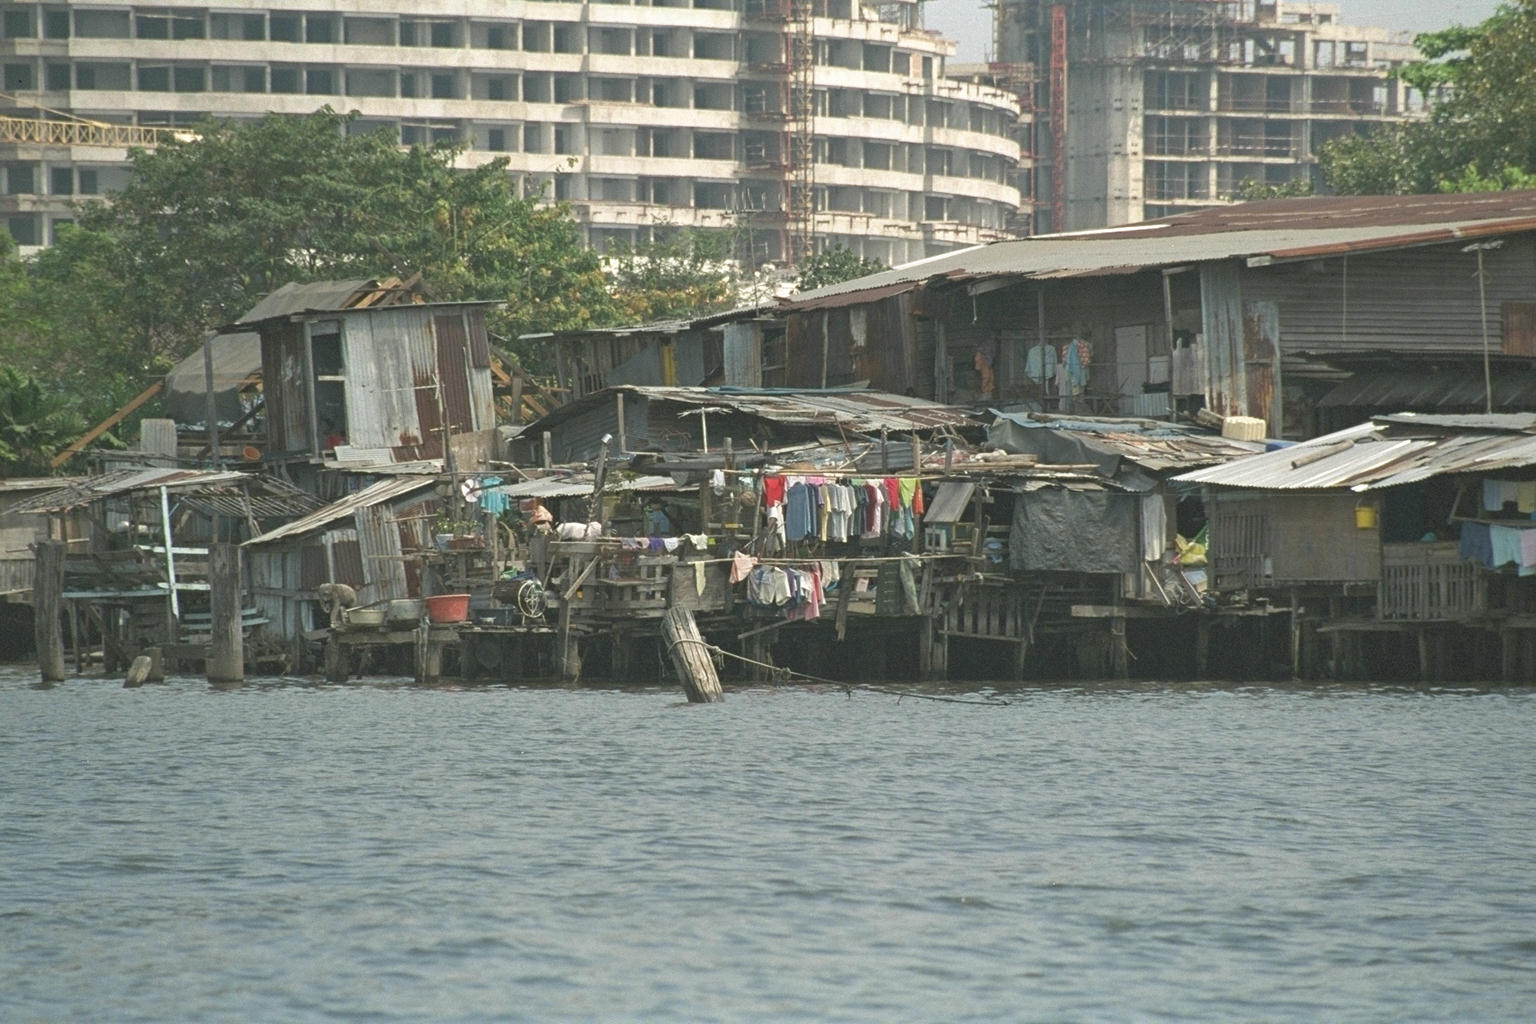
<point>295,851</point>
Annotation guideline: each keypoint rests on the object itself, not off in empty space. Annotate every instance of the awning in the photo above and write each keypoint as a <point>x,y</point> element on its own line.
<point>950,503</point>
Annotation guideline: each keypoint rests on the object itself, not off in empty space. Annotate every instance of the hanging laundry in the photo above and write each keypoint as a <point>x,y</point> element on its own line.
<point>741,564</point>
<point>797,512</point>
<point>773,490</point>
<point>1040,362</point>
<point>1476,545</point>
<point>1497,492</point>
<point>1527,550</point>
<point>492,501</point>
<point>1505,544</point>
<point>768,587</point>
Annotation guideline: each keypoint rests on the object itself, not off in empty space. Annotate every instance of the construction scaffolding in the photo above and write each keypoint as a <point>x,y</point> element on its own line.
<point>1236,88</point>
<point>800,179</point>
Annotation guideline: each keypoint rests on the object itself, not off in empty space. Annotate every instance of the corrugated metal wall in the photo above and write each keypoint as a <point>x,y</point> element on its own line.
<point>874,342</point>
<point>381,402</point>
<point>1423,299</point>
<point>1221,329</point>
<point>402,364</point>
<point>383,564</point>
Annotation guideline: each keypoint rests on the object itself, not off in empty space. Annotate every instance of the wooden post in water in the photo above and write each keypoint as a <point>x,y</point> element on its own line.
<point>47,599</point>
<point>226,654</point>
<point>690,655</point>
<point>567,646</point>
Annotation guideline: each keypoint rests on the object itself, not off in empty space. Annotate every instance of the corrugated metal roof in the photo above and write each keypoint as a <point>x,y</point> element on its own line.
<point>89,489</point>
<point>37,483</point>
<point>674,326</point>
<point>1152,444</point>
<point>860,411</point>
<point>1453,387</point>
<point>1388,452</point>
<point>373,494</point>
<point>1046,256</point>
<point>1275,229</point>
<point>295,297</point>
<point>575,485</point>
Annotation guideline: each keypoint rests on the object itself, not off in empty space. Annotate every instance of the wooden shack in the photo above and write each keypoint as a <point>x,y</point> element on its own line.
<point>374,385</point>
<point>1265,310</point>
<point>1403,547</point>
<point>138,578</point>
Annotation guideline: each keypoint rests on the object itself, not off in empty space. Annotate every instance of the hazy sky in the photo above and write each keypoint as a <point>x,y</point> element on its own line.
<point>969,22</point>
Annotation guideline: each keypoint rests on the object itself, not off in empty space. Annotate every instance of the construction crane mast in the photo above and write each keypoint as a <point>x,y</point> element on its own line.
<point>800,177</point>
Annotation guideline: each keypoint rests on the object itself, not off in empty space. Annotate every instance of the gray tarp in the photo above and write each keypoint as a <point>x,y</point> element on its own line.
<point>1052,446</point>
<point>1056,528</point>
<point>236,359</point>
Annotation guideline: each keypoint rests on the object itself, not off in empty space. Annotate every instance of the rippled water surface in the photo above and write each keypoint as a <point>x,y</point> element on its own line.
<point>293,852</point>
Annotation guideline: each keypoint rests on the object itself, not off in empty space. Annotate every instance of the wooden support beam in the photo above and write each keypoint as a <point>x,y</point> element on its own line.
<point>690,656</point>
<point>226,656</point>
<point>107,424</point>
<point>47,604</point>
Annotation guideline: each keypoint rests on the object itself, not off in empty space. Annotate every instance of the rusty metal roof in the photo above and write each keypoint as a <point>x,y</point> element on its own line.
<point>576,485</point>
<point>1263,232</point>
<point>1155,445</point>
<point>373,494</point>
<point>856,410</point>
<point>88,489</point>
<point>29,484</point>
<point>1386,452</point>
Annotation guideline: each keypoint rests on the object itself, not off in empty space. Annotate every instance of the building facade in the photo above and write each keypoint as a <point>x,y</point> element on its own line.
<point>795,124</point>
<point>1147,108</point>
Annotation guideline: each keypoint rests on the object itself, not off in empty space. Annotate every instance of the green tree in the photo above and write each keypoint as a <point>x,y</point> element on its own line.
<point>35,423</point>
<point>833,266</point>
<point>1251,190</point>
<point>210,224</point>
<point>686,274</point>
<point>1481,131</point>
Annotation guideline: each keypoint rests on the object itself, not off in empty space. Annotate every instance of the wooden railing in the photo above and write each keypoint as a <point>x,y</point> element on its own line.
<point>1429,582</point>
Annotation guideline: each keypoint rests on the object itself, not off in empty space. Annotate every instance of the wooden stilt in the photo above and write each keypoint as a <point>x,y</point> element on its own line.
<point>138,672</point>
<point>567,644</point>
<point>1203,647</point>
<point>690,655</point>
<point>47,601</point>
<point>226,656</point>
<point>1426,656</point>
<point>1509,655</point>
<point>1119,666</point>
<point>925,647</point>
<point>1295,637</point>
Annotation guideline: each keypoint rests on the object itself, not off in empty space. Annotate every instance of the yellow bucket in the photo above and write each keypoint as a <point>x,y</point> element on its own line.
<point>1365,516</point>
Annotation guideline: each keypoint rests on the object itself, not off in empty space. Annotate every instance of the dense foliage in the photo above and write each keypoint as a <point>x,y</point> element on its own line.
<point>1481,132</point>
<point>210,223</point>
<point>687,274</point>
<point>834,266</point>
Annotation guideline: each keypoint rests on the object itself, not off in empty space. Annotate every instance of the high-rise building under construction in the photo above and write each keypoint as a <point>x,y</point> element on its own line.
<point>1143,108</point>
<point>794,124</point>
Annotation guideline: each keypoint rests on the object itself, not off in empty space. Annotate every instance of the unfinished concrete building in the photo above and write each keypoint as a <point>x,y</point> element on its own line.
<point>1147,108</point>
<point>794,124</point>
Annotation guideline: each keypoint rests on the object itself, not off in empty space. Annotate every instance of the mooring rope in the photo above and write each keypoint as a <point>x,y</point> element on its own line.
<point>783,674</point>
